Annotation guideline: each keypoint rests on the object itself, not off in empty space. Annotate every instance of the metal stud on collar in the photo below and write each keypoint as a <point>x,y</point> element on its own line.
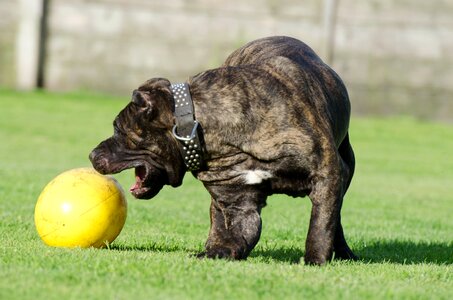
<point>180,95</point>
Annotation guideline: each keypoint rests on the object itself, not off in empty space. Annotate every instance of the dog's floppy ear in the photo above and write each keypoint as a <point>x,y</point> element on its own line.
<point>149,92</point>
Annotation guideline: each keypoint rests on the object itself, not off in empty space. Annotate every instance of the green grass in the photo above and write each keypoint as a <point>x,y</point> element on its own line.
<point>398,217</point>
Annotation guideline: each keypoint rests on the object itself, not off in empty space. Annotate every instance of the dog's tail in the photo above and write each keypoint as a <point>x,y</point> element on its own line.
<point>347,154</point>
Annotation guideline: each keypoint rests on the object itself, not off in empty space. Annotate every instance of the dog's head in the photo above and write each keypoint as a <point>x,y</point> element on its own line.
<point>142,140</point>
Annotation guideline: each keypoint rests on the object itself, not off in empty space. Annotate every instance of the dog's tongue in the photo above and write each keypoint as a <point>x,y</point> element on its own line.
<point>140,173</point>
<point>136,185</point>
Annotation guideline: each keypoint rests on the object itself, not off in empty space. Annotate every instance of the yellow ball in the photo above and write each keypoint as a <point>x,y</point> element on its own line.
<point>80,208</point>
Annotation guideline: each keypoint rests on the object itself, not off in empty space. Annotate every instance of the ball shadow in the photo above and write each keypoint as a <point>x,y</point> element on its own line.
<point>150,247</point>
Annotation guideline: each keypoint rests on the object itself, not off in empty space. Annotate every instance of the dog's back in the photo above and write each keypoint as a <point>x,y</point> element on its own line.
<point>261,50</point>
<point>331,94</point>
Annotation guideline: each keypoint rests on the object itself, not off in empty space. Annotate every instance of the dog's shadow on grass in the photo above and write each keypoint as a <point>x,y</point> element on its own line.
<point>396,252</point>
<point>407,252</point>
<point>284,255</point>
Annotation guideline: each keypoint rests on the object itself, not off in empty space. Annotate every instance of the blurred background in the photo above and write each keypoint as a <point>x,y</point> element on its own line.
<point>395,56</point>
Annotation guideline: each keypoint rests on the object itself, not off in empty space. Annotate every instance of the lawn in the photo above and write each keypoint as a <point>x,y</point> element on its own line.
<point>398,217</point>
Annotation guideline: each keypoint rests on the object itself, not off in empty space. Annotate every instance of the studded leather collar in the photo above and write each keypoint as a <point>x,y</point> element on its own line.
<point>187,130</point>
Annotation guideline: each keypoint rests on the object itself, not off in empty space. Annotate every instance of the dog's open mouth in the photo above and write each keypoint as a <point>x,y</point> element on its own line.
<point>148,182</point>
<point>150,176</point>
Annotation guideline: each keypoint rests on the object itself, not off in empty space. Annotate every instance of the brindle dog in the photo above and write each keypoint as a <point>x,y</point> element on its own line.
<point>275,119</point>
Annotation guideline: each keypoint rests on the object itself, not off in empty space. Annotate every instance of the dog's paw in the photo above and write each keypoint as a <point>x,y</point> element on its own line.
<point>314,261</point>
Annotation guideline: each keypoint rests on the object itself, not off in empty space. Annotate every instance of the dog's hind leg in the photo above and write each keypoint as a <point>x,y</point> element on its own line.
<point>325,197</point>
<point>341,248</point>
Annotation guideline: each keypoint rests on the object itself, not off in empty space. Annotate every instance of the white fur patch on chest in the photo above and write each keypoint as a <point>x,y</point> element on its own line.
<point>256,176</point>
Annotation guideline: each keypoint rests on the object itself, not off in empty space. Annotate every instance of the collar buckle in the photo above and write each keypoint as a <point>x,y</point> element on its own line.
<point>189,137</point>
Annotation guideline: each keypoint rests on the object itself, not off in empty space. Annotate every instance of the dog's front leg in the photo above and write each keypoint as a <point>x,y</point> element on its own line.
<point>235,221</point>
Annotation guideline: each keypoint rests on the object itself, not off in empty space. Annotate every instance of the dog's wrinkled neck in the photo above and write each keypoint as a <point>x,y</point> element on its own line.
<point>187,129</point>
